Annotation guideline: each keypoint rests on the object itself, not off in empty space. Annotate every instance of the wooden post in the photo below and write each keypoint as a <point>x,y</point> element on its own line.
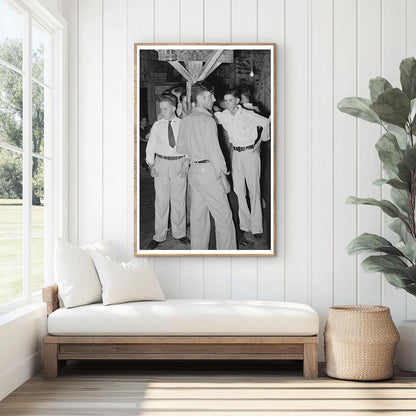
<point>188,95</point>
<point>310,360</point>
<point>194,69</point>
<point>50,360</point>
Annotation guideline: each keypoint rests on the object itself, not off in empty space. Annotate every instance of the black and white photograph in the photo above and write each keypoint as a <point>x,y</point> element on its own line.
<point>204,150</point>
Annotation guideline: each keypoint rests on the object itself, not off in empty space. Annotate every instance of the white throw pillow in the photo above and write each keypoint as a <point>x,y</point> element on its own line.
<point>103,247</point>
<point>126,282</point>
<point>75,273</point>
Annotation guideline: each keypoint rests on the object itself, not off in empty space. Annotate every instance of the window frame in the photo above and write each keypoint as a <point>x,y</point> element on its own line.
<point>57,226</point>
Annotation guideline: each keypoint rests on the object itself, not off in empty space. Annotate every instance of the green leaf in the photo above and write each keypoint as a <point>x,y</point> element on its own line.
<point>378,86</point>
<point>381,263</point>
<point>410,158</point>
<point>389,208</point>
<point>408,249</point>
<point>412,109</point>
<point>398,184</point>
<point>395,183</point>
<point>389,151</point>
<point>401,137</point>
<point>400,228</point>
<point>400,198</point>
<point>359,107</point>
<point>412,116</point>
<point>397,280</point>
<point>411,289</point>
<point>396,271</point>
<point>366,243</point>
<point>390,173</point>
<point>392,107</point>
<point>408,77</point>
<point>404,173</point>
<point>380,182</point>
<point>410,272</point>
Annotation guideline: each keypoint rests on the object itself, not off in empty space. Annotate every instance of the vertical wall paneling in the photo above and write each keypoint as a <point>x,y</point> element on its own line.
<point>411,51</point>
<point>140,22</point>
<point>321,148</point>
<point>393,51</point>
<point>167,16</point>
<point>326,50</point>
<point>217,278</point>
<point>217,29</point>
<point>192,30</point>
<point>244,278</point>
<point>115,51</point>
<point>167,30</point>
<point>90,128</point>
<point>191,21</point>
<point>244,30</point>
<point>368,162</point>
<point>345,151</point>
<point>192,277</point>
<point>296,152</point>
<point>411,28</point>
<point>271,29</point>
<point>70,11</point>
<point>168,270</point>
<point>244,21</point>
<point>217,21</point>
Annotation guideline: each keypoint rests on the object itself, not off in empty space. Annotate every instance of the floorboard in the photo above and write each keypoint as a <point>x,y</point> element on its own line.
<point>206,388</point>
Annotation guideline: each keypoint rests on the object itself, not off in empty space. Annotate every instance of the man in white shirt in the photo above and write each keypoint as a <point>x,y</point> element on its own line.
<point>169,169</point>
<point>242,128</point>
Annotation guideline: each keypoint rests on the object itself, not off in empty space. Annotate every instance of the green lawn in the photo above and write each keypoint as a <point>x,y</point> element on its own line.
<point>11,249</point>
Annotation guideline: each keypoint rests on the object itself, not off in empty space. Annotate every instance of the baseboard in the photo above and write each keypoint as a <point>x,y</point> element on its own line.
<point>10,380</point>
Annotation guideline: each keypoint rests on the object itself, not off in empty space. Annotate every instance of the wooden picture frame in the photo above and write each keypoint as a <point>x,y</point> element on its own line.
<point>163,69</point>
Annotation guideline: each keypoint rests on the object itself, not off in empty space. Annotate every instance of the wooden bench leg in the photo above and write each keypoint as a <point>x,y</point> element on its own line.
<point>310,360</point>
<point>50,360</point>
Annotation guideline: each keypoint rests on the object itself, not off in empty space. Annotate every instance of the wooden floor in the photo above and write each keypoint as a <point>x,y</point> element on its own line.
<point>221,389</point>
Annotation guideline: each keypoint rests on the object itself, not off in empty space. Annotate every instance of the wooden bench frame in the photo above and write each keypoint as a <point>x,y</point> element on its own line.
<point>58,349</point>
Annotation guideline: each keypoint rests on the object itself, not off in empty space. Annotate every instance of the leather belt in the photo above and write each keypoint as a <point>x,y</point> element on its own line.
<point>169,157</point>
<point>241,149</point>
<point>201,161</point>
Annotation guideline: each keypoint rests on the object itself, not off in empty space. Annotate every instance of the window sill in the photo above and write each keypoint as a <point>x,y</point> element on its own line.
<point>29,308</point>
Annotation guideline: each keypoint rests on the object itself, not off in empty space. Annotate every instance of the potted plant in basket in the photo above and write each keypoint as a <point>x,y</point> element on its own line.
<point>394,109</point>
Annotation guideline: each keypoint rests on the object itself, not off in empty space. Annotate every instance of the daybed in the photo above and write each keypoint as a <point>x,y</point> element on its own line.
<point>181,329</point>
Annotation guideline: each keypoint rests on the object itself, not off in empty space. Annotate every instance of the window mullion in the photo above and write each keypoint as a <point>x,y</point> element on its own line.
<point>27,157</point>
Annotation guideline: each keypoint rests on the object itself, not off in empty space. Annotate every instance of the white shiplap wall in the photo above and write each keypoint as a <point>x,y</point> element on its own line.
<point>326,50</point>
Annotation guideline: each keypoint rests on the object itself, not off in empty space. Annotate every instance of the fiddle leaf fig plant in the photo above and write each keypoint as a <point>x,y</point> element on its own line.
<point>394,109</point>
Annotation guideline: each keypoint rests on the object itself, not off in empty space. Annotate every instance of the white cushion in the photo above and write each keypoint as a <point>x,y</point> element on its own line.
<point>103,247</point>
<point>181,317</point>
<point>126,282</point>
<point>75,273</point>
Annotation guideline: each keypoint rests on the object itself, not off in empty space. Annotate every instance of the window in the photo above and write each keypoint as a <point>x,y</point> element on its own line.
<point>31,140</point>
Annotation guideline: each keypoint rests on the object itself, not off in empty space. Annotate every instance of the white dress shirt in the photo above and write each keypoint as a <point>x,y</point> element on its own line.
<point>242,126</point>
<point>159,140</point>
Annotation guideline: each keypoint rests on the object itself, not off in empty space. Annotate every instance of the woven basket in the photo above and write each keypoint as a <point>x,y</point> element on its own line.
<point>360,341</point>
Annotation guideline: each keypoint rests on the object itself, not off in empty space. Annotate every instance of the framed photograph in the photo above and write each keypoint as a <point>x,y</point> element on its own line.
<point>204,124</point>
